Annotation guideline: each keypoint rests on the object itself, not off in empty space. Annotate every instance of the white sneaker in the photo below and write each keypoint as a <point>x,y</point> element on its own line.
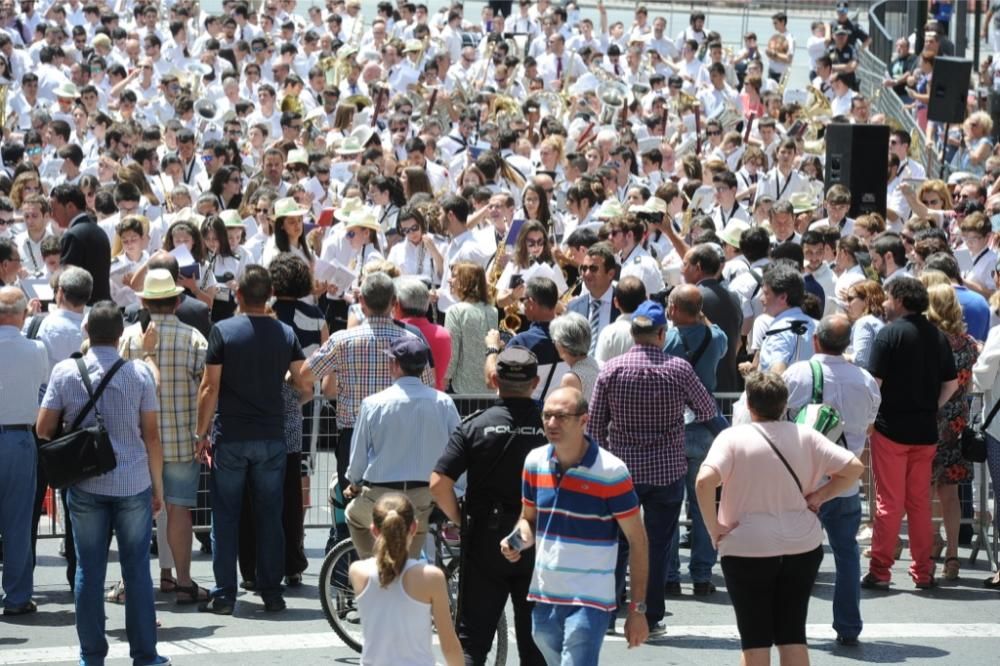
<point>865,535</point>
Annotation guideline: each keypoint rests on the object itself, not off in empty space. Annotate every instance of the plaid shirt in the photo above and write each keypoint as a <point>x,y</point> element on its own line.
<point>355,357</point>
<point>180,356</point>
<point>637,412</point>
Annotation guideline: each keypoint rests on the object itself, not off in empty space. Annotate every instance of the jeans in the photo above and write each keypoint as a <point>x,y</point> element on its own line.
<point>841,518</point>
<point>17,493</point>
<point>132,519</point>
<point>697,440</point>
<point>569,635</point>
<point>261,463</point>
<point>661,506</point>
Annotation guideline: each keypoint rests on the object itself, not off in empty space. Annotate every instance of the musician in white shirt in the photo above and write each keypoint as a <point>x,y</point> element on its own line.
<point>783,180</point>
<point>557,65</point>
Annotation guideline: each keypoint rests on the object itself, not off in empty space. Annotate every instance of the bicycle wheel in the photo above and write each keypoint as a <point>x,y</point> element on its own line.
<point>498,651</point>
<point>337,596</point>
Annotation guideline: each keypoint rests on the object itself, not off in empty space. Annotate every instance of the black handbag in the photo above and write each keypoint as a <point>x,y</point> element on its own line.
<point>82,453</point>
<point>974,437</point>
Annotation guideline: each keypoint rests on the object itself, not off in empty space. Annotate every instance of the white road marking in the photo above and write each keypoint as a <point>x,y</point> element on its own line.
<point>319,641</point>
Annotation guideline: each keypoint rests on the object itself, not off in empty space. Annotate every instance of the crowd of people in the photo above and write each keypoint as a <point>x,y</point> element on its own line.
<point>602,224</point>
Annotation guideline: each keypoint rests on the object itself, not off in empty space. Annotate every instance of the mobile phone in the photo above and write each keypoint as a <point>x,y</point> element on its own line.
<point>144,319</point>
<point>515,541</point>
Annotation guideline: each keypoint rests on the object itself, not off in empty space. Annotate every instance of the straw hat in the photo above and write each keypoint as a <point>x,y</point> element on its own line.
<point>287,207</point>
<point>609,209</point>
<point>348,206</point>
<point>67,90</point>
<point>802,202</point>
<point>362,218</point>
<point>297,156</point>
<point>159,284</point>
<point>231,218</point>
<point>653,206</point>
<point>732,233</point>
<point>350,146</point>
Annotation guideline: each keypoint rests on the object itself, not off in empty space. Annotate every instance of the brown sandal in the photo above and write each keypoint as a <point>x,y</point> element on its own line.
<point>194,594</point>
<point>952,566</point>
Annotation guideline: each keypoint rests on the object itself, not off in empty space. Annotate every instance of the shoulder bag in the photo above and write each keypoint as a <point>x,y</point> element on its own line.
<point>83,453</point>
<point>974,437</point>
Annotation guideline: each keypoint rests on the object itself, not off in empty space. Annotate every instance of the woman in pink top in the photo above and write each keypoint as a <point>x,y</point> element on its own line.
<point>775,475</point>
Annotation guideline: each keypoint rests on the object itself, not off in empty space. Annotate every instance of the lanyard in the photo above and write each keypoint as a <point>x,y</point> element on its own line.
<point>777,183</point>
<point>979,256</point>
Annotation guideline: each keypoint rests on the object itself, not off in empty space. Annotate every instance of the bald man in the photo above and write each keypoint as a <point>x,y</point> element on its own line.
<point>854,393</point>
<point>702,344</point>
<point>25,368</point>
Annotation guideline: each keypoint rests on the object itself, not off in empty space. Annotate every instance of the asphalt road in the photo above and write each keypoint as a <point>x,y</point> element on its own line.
<point>953,624</point>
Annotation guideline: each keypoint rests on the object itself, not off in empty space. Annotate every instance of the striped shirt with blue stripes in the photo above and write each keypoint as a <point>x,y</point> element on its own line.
<point>576,529</point>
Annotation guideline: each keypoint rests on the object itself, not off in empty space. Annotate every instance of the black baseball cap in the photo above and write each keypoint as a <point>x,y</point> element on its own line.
<point>517,364</point>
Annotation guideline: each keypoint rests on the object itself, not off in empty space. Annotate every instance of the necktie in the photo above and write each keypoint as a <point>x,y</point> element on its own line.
<point>595,323</point>
<point>617,70</point>
<point>558,67</point>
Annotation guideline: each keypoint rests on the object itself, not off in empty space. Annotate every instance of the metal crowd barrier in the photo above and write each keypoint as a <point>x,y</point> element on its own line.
<point>871,72</point>
<point>318,450</point>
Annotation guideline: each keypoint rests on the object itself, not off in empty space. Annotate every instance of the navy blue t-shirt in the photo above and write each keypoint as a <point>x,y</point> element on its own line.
<point>254,353</point>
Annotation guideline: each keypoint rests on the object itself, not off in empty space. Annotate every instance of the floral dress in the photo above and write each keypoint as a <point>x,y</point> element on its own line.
<point>949,465</point>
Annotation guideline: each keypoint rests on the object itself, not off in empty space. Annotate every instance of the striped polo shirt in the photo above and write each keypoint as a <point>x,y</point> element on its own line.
<point>576,529</point>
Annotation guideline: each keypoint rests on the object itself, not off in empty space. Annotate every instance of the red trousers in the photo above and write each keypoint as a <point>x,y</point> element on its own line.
<point>902,475</point>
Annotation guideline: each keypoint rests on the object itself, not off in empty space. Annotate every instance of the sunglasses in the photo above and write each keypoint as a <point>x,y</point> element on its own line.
<point>536,243</point>
<point>713,133</point>
<point>590,269</point>
<point>351,234</point>
<point>409,230</point>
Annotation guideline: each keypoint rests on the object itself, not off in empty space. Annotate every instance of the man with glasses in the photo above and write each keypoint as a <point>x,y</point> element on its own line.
<point>563,566</point>
<point>596,302</point>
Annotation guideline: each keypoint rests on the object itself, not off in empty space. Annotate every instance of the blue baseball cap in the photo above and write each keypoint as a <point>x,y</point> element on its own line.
<point>409,350</point>
<point>652,312</point>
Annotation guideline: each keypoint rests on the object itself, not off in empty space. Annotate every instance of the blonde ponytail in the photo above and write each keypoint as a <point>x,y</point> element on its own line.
<point>393,517</point>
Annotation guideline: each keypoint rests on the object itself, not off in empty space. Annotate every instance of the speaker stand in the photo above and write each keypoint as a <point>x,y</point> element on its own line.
<point>944,148</point>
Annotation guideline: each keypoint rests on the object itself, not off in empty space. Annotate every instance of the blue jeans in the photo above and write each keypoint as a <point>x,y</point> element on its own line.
<point>661,506</point>
<point>262,464</point>
<point>697,440</point>
<point>841,518</point>
<point>131,517</point>
<point>17,494</point>
<point>569,635</point>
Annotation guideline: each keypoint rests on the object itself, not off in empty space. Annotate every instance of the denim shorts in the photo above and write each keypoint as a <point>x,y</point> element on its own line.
<point>180,483</point>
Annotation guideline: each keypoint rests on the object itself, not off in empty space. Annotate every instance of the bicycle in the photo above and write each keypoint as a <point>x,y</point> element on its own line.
<point>337,595</point>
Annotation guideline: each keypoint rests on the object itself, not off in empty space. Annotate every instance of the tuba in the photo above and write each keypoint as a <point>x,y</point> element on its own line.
<point>614,96</point>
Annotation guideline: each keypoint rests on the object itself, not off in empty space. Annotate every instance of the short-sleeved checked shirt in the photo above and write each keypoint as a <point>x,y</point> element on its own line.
<point>637,412</point>
<point>356,357</point>
<point>130,393</point>
<point>180,356</point>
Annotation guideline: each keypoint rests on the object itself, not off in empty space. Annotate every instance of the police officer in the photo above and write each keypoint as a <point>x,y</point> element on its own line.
<point>490,447</point>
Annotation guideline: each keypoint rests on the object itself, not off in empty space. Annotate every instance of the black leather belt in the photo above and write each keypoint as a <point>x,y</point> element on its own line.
<point>397,485</point>
<point>20,427</point>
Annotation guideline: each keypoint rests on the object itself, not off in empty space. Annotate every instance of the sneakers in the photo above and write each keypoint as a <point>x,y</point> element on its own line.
<point>846,641</point>
<point>658,630</point>
<point>160,661</point>
<point>870,582</point>
<point>865,535</point>
<point>217,607</point>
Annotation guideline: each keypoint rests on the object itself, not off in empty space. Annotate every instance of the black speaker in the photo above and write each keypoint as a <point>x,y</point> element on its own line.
<point>857,157</point>
<point>949,86</point>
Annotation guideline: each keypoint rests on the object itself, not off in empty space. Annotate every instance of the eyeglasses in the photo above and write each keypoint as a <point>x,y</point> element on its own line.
<point>409,230</point>
<point>559,417</point>
<point>593,268</point>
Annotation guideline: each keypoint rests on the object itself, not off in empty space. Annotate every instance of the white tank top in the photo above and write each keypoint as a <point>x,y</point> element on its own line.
<point>396,627</point>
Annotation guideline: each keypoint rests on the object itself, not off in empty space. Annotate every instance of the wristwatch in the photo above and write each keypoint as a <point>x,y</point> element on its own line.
<point>637,607</point>
<point>492,350</point>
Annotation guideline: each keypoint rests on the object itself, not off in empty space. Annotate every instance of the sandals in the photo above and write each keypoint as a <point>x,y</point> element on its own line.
<point>938,548</point>
<point>194,594</point>
<point>168,584</point>
<point>952,566</point>
<point>116,595</point>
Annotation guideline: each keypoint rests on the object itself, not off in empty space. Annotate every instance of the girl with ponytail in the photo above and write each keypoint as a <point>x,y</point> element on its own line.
<point>398,597</point>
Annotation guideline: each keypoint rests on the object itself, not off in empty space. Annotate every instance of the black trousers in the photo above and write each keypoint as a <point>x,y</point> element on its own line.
<point>487,580</point>
<point>771,596</point>
<point>292,516</point>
